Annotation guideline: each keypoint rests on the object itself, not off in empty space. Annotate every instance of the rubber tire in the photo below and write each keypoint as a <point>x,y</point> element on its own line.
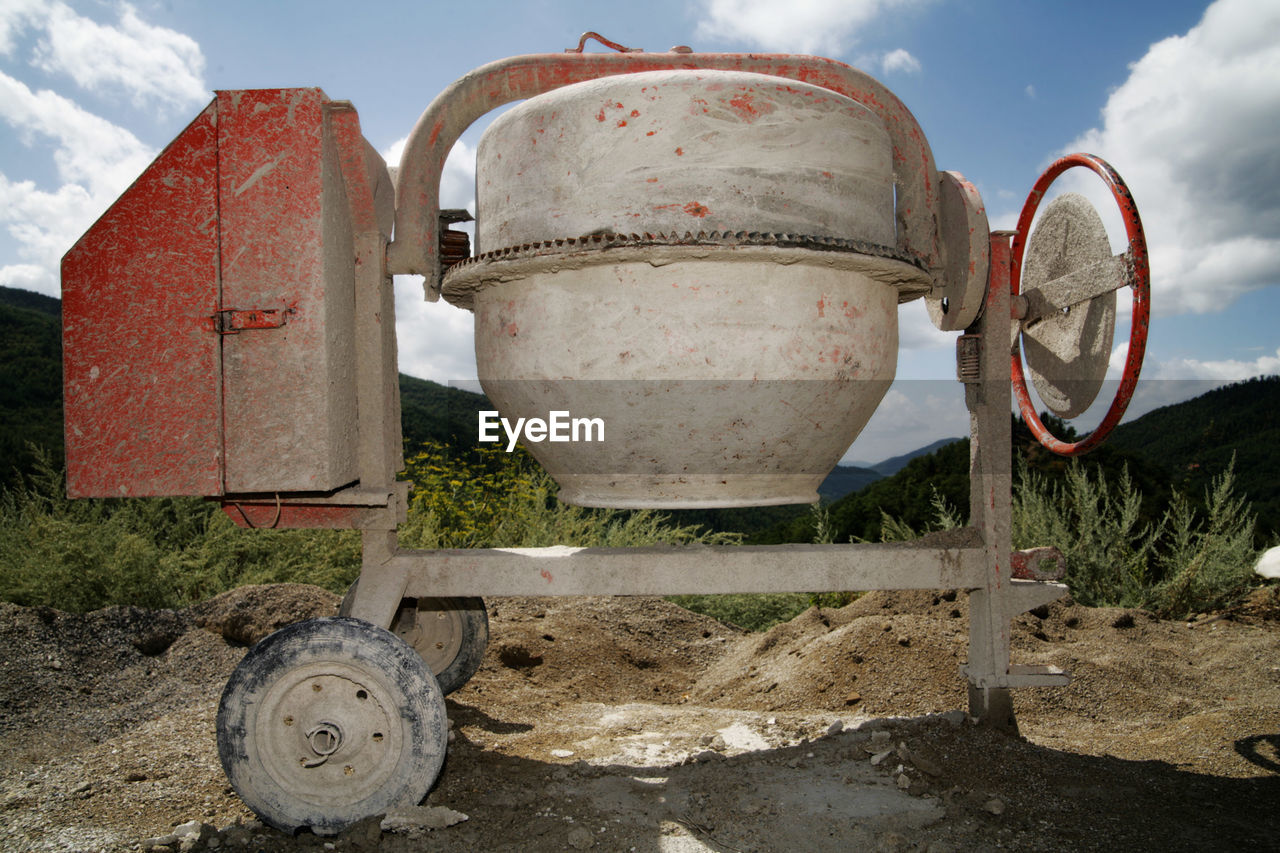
<point>474,628</point>
<point>392,671</point>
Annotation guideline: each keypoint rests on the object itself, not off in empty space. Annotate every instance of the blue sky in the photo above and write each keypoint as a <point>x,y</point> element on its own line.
<point>1182,97</point>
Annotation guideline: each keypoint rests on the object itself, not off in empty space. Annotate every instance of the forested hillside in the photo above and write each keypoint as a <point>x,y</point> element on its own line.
<point>30,379</point>
<point>1190,442</point>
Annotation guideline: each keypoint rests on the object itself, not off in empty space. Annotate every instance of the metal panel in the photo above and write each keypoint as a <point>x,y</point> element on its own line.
<point>140,356</point>
<point>954,563</point>
<point>286,245</point>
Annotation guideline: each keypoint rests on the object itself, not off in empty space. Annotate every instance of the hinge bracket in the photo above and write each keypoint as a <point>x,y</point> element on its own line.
<point>232,321</point>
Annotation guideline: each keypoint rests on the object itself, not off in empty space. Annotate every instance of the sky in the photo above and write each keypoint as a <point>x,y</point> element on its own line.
<point>1183,98</point>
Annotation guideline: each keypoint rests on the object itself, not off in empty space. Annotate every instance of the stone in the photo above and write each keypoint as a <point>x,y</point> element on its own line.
<point>580,839</point>
<point>995,806</point>
<point>919,761</point>
<point>891,842</point>
<point>201,832</point>
<point>835,728</point>
<point>420,817</point>
<point>160,841</point>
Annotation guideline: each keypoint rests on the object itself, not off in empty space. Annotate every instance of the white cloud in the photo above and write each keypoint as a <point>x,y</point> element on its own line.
<point>16,16</point>
<point>95,159</point>
<point>44,225</point>
<point>88,150</point>
<point>435,340</point>
<point>1226,369</point>
<point>916,331</point>
<point>913,413</point>
<point>900,61</point>
<point>28,277</point>
<point>1031,91</point>
<point>826,27</point>
<point>151,66</point>
<point>1193,130</point>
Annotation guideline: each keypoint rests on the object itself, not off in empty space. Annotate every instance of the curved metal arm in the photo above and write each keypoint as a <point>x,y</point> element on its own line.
<point>416,246</point>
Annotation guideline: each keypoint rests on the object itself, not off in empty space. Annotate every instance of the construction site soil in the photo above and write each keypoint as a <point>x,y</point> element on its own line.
<point>630,724</point>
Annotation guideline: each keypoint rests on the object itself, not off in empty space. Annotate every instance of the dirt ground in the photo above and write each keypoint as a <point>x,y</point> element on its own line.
<point>629,724</point>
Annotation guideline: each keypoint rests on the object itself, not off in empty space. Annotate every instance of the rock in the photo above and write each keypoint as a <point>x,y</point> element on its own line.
<point>880,737</point>
<point>995,805</point>
<point>880,756</point>
<point>580,839</point>
<point>562,753</point>
<point>160,841</point>
<point>891,842</point>
<point>904,781</point>
<point>411,818</point>
<point>955,718</point>
<point>853,698</point>
<point>835,728</point>
<point>919,761</point>
<point>247,614</point>
<point>194,829</point>
<point>364,835</point>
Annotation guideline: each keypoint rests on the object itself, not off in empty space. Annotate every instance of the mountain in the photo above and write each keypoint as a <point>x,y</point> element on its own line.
<point>893,465</point>
<point>844,479</point>
<point>907,494</point>
<point>433,412</point>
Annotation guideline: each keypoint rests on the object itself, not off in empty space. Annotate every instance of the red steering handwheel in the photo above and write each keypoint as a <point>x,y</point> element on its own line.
<point>1140,282</point>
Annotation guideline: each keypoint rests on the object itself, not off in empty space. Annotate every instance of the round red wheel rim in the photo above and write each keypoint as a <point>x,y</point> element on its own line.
<point>1140,283</point>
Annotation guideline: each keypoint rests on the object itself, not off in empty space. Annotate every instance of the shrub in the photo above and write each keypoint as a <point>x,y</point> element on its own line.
<point>505,500</point>
<point>1097,528</point>
<point>1207,564</point>
<point>80,555</point>
<point>1188,561</point>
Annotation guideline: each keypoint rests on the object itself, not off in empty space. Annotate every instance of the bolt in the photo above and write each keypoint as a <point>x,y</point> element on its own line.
<point>325,739</point>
